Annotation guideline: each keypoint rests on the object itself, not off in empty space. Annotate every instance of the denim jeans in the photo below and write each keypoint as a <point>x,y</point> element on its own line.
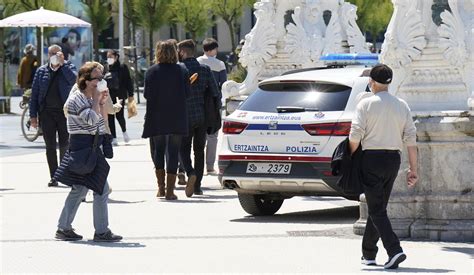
<point>100,209</point>
<point>211,149</point>
<point>166,147</point>
<point>196,138</point>
<point>379,171</point>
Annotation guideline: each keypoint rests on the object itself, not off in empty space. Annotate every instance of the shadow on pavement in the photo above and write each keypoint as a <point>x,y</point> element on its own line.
<point>105,244</point>
<point>466,250</point>
<point>325,199</point>
<point>6,189</point>
<point>116,201</point>
<point>410,270</point>
<point>196,200</point>
<point>340,215</point>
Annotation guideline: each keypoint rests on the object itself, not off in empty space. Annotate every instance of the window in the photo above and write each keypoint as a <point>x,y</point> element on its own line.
<point>323,97</point>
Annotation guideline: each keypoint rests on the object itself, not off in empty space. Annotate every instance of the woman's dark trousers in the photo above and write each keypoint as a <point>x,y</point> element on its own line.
<point>379,171</point>
<point>120,118</point>
<point>52,122</point>
<point>166,147</point>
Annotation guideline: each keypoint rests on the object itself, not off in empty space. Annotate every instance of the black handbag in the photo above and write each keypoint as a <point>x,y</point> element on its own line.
<point>83,161</point>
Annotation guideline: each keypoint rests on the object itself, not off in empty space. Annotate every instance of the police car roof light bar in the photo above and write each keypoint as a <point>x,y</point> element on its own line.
<point>366,59</point>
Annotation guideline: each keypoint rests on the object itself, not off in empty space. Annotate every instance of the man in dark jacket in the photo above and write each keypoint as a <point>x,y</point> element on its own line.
<point>51,86</point>
<point>205,85</point>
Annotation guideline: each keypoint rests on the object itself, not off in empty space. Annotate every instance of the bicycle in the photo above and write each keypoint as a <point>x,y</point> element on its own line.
<point>29,133</point>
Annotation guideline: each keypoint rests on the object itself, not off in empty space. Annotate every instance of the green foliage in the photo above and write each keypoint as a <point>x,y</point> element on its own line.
<point>238,74</point>
<point>193,15</point>
<point>152,14</point>
<point>131,11</point>
<point>230,11</point>
<point>98,12</point>
<point>373,15</point>
<point>29,5</point>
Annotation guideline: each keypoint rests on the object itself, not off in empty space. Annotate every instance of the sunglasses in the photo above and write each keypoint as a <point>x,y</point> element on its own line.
<point>96,78</point>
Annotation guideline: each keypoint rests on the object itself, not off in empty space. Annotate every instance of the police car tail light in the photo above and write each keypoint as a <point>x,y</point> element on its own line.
<point>328,129</point>
<point>233,128</point>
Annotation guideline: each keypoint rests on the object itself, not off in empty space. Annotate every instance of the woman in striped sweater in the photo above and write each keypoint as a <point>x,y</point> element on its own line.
<point>85,117</point>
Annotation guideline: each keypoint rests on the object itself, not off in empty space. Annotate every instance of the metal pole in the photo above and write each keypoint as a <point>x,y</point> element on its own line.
<point>121,30</point>
<point>41,46</point>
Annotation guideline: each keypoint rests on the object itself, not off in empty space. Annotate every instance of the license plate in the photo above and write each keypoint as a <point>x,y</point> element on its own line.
<point>268,168</point>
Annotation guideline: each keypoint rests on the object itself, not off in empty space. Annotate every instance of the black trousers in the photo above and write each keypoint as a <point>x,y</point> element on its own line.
<point>120,118</point>
<point>196,138</point>
<point>52,122</point>
<point>379,171</point>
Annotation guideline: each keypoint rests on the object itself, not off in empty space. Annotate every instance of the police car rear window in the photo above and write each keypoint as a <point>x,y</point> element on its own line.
<point>323,97</point>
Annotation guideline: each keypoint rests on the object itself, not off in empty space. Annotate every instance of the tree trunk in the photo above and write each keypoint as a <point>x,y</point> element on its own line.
<point>150,43</point>
<point>374,41</point>
<point>231,32</point>
<point>135,60</point>
<point>39,47</point>
<point>96,44</point>
<point>174,31</point>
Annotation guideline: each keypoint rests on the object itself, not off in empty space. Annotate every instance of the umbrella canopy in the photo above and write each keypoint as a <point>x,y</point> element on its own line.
<point>43,18</point>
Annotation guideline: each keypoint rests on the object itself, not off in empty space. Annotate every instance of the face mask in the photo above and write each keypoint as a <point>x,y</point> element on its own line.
<point>110,61</point>
<point>101,85</point>
<point>54,60</point>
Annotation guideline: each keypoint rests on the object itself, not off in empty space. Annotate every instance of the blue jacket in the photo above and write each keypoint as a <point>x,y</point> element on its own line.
<point>67,75</point>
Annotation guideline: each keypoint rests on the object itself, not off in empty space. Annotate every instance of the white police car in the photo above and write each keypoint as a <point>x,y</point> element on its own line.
<point>279,142</point>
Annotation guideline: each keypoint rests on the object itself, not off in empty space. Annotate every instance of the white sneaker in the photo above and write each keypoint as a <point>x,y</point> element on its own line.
<point>126,138</point>
<point>114,142</point>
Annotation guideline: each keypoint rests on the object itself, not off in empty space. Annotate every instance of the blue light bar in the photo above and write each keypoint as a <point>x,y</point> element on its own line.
<point>366,59</point>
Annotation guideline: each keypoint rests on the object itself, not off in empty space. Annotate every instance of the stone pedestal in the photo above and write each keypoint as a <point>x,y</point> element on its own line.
<point>441,206</point>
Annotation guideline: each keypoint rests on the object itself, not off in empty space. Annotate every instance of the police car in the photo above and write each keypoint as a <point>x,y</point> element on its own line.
<point>279,142</point>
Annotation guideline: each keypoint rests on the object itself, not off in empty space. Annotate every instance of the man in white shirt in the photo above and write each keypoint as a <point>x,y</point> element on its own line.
<point>382,125</point>
<point>218,69</point>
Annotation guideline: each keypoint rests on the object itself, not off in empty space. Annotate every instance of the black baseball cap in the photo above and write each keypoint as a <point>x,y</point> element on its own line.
<point>382,74</point>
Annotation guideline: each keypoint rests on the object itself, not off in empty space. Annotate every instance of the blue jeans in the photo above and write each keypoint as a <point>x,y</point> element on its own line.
<point>100,210</point>
<point>166,146</point>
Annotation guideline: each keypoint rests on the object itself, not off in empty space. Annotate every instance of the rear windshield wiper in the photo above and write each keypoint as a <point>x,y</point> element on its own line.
<point>295,109</point>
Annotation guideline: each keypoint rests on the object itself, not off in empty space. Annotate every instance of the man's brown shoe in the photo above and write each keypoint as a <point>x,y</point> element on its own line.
<point>190,186</point>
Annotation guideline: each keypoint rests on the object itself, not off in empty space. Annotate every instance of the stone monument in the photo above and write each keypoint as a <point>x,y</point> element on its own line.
<point>293,34</point>
<point>429,44</point>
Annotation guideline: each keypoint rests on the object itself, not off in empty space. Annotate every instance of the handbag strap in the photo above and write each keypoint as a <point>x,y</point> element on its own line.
<point>96,139</point>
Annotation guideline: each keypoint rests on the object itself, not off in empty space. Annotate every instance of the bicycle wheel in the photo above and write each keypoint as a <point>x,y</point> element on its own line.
<point>30,133</point>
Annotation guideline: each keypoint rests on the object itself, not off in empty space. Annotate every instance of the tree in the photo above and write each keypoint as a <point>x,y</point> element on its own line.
<point>193,15</point>
<point>230,11</point>
<point>373,15</point>
<point>153,14</point>
<point>98,12</point>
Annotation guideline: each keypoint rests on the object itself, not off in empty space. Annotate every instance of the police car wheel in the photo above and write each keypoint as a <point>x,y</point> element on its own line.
<point>259,205</point>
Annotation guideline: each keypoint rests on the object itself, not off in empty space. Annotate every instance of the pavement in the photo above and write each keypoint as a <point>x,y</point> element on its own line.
<point>202,234</point>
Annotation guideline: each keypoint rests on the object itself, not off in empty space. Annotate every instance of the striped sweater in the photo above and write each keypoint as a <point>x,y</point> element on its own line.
<point>81,118</point>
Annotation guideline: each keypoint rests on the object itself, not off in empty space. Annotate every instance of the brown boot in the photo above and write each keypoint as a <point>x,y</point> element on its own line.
<point>170,181</point>
<point>160,179</point>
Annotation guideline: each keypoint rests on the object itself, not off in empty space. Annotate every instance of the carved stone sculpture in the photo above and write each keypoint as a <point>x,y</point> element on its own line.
<point>429,61</point>
<point>273,46</point>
